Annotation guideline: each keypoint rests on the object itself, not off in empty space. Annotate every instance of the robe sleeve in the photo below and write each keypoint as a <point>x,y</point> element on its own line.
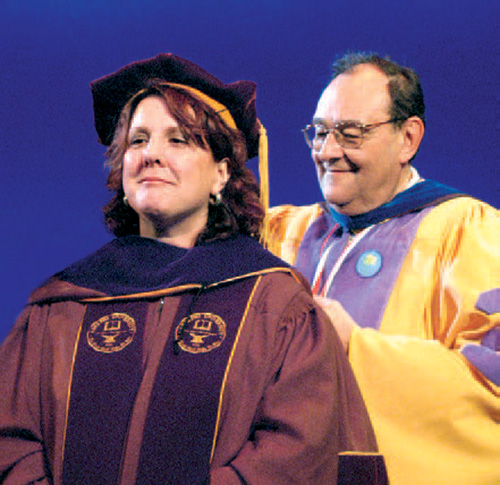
<point>286,226</point>
<point>310,409</point>
<point>418,391</point>
<point>22,451</point>
<point>432,374</point>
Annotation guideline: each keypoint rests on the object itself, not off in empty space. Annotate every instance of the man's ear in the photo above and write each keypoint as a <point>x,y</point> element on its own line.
<point>412,131</point>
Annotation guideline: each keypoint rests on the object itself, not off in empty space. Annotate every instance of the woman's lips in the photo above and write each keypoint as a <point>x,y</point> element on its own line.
<point>158,180</point>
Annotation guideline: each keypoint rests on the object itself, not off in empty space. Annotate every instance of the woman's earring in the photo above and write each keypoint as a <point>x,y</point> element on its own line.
<point>125,201</point>
<point>215,199</point>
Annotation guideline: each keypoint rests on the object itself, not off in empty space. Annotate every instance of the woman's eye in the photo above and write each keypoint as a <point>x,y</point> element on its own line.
<point>178,140</point>
<point>137,140</point>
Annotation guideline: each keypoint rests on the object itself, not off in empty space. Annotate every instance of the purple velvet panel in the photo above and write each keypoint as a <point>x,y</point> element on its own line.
<point>106,376</point>
<point>489,301</point>
<point>182,414</point>
<point>484,359</point>
<point>363,295</point>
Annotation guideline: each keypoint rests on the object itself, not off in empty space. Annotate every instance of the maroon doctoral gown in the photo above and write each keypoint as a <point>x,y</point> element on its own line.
<point>147,363</point>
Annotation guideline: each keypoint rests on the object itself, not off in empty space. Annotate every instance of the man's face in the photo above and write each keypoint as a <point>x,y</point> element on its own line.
<point>357,180</point>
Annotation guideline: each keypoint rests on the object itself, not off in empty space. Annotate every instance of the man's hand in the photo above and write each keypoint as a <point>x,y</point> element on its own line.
<point>340,319</point>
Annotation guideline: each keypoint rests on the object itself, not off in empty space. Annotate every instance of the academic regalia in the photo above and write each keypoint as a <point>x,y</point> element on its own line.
<point>148,363</point>
<point>421,277</point>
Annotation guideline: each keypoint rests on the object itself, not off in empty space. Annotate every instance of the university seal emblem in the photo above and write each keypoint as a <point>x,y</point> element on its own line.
<point>200,332</point>
<point>111,333</point>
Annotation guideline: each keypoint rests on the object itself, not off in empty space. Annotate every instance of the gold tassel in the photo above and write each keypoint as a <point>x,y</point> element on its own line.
<point>263,167</point>
<point>264,180</point>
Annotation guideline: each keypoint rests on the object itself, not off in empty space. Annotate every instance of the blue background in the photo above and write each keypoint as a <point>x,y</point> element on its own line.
<point>52,175</point>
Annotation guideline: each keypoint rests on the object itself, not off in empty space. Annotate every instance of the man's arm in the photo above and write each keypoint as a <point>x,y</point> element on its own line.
<point>341,320</point>
<point>431,375</point>
<point>286,226</point>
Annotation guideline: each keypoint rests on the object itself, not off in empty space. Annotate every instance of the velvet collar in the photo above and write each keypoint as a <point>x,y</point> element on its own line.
<point>420,195</point>
<point>134,264</point>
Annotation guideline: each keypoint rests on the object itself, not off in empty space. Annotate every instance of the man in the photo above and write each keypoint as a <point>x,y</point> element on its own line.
<point>409,272</point>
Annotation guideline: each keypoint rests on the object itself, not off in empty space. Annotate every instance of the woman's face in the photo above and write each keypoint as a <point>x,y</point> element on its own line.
<point>168,179</point>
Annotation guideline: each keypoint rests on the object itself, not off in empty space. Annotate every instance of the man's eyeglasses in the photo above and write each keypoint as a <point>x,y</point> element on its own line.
<point>349,134</point>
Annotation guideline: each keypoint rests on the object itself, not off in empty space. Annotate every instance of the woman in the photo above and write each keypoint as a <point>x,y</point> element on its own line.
<point>180,352</point>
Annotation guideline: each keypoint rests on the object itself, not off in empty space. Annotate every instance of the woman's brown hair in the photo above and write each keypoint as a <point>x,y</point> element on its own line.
<point>239,211</point>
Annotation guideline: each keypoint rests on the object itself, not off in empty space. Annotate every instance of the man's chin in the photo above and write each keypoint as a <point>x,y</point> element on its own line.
<point>337,200</point>
<point>342,206</point>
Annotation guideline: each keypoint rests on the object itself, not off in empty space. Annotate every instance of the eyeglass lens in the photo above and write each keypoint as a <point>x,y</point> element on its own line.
<point>347,135</point>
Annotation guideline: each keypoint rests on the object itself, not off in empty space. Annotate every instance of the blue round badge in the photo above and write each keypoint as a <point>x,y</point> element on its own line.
<point>369,264</point>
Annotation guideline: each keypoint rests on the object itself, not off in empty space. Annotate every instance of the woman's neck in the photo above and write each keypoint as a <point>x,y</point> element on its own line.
<point>180,235</point>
